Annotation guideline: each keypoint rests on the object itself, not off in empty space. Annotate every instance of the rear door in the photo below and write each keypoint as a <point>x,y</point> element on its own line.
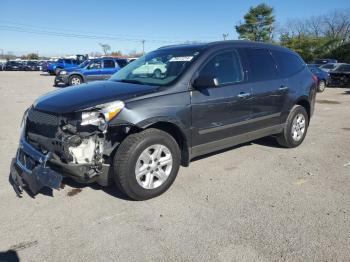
<point>268,90</point>
<point>109,68</point>
<point>222,111</point>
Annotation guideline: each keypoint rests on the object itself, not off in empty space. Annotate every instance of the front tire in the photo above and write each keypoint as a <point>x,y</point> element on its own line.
<point>295,128</point>
<point>146,164</point>
<point>75,80</point>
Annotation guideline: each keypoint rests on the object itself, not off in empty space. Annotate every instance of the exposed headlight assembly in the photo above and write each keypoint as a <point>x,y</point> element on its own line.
<point>63,72</point>
<point>23,122</point>
<point>100,115</point>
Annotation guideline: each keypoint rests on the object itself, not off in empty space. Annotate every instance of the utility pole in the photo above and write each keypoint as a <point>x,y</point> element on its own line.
<point>143,46</point>
<point>225,35</point>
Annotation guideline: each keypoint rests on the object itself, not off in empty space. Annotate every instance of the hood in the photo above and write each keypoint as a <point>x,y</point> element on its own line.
<point>83,96</point>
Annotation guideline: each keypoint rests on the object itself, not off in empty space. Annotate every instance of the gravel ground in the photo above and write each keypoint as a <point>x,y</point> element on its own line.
<point>256,202</point>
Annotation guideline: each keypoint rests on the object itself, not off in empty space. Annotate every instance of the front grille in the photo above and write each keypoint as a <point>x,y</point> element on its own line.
<point>41,123</point>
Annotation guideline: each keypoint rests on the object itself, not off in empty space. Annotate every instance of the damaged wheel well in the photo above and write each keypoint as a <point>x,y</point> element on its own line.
<point>178,135</point>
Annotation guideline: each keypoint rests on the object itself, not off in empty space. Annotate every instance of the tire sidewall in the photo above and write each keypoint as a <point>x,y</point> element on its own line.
<point>288,134</point>
<point>319,89</point>
<point>156,72</point>
<point>74,76</point>
<point>130,178</point>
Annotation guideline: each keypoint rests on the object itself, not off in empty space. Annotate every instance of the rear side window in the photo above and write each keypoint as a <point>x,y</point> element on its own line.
<point>288,63</point>
<point>68,61</point>
<point>109,64</point>
<point>261,64</point>
<point>225,67</point>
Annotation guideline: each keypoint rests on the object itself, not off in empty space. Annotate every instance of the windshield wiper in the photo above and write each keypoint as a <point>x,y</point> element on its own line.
<point>131,81</point>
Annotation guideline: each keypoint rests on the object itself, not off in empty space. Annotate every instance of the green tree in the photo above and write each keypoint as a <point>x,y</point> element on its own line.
<point>258,24</point>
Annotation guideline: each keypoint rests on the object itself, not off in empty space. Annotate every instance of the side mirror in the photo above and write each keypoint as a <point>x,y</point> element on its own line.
<point>203,81</point>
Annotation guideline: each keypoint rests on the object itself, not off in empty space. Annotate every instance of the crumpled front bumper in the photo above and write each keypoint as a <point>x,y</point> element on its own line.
<point>29,169</point>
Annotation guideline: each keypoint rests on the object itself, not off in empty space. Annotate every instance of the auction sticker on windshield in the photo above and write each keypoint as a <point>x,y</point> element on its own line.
<point>181,58</point>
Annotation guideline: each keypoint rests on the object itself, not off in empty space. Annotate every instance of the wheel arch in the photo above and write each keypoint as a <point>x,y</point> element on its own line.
<point>304,102</point>
<point>176,132</point>
<point>76,74</point>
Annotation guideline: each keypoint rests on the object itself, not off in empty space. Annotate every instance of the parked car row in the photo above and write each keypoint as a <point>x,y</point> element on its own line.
<point>31,65</point>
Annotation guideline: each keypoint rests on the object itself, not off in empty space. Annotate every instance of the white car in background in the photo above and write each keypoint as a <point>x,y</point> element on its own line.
<point>330,67</point>
<point>154,67</point>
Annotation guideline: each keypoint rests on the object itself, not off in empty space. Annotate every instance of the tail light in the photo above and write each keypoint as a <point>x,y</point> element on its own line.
<point>314,78</point>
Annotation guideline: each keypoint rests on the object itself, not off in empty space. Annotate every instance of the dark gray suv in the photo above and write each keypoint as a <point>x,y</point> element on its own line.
<point>137,128</point>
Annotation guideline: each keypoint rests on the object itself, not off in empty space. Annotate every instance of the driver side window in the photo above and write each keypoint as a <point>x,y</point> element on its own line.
<point>225,68</point>
<point>96,65</point>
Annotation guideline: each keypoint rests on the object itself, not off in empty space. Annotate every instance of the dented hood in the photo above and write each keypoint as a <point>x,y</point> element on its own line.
<point>80,97</point>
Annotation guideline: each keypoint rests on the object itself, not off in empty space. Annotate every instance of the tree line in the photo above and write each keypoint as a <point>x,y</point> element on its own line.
<point>323,36</point>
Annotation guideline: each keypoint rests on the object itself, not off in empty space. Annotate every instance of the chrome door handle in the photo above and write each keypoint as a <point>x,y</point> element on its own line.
<point>243,95</point>
<point>283,88</point>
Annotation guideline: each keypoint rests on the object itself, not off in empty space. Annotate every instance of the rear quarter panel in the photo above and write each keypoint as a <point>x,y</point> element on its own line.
<point>301,87</point>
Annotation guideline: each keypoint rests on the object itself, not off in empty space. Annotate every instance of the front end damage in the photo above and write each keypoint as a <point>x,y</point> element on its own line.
<point>77,145</point>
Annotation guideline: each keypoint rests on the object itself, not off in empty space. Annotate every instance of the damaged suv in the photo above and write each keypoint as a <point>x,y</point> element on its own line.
<point>137,129</point>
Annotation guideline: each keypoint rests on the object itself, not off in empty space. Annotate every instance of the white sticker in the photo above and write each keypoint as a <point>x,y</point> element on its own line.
<point>181,58</point>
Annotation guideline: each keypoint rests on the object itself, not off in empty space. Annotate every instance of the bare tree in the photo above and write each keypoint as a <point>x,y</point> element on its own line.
<point>106,48</point>
<point>315,26</point>
<point>296,27</point>
<point>337,24</point>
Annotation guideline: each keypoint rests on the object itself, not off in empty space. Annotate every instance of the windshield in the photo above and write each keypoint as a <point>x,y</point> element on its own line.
<point>160,67</point>
<point>83,64</point>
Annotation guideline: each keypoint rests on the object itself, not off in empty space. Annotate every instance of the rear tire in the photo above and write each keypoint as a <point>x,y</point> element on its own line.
<point>295,128</point>
<point>157,73</point>
<point>142,173</point>
<point>321,86</point>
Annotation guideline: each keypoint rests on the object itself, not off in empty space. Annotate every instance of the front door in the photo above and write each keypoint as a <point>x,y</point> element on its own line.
<point>94,71</point>
<point>222,111</point>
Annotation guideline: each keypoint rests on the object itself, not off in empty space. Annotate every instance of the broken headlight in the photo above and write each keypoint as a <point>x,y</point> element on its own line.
<point>102,114</point>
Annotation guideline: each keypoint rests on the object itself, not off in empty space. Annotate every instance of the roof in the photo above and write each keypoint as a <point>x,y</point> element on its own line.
<point>225,43</point>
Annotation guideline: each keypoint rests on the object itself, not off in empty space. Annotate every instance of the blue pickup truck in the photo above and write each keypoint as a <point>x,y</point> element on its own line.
<point>62,63</point>
<point>90,70</point>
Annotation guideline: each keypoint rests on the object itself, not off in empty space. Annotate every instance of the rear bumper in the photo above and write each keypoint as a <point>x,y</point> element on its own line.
<point>35,170</point>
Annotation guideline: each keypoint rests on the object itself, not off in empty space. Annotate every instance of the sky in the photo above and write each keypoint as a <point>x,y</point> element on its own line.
<point>69,27</point>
